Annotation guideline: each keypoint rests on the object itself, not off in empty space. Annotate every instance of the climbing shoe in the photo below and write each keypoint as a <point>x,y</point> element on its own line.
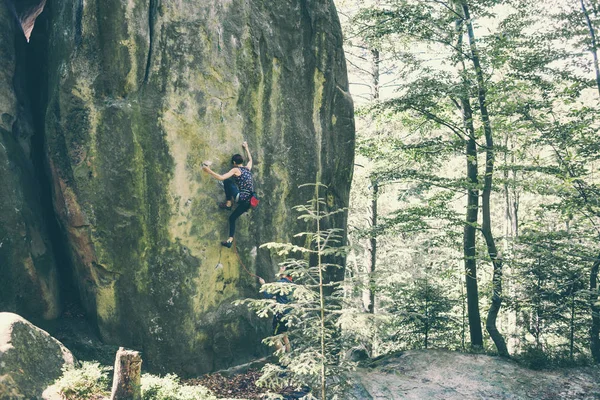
<point>224,206</point>
<point>227,244</point>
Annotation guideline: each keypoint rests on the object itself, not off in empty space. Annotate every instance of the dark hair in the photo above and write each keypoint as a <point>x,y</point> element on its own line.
<point>237,158</point>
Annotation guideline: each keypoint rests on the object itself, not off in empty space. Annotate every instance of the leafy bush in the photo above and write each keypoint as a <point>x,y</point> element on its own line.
<point>169,387</point>
<point>90,381</point>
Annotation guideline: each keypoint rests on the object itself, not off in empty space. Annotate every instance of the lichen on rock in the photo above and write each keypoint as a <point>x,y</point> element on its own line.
<point>30,359</point>
<point>139,94</point>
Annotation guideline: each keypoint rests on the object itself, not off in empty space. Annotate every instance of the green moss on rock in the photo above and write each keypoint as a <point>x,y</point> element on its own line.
<point>30,359</point>
<point>142,219</point>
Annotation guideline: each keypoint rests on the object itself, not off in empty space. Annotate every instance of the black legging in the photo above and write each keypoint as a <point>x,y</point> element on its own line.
<point>239,210</point>
<point>231,193</point>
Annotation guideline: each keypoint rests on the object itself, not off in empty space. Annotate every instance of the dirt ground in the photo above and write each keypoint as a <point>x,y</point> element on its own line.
<point>438,374</point>
<point>429,374</point>
<point>238,386</point>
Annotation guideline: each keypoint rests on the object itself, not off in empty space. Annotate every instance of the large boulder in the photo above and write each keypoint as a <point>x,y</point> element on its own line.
<point>29,280</point>
<point>140,93</point>
<point>441,374</point>
<point>30,359</point>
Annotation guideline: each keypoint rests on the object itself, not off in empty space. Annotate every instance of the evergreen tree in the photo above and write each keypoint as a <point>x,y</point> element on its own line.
<point>313,314</point>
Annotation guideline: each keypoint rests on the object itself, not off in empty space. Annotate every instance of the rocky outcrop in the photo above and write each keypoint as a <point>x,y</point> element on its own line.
<point>28,283</point>
<point>30,359</point>
<point>440,374</point>
<point>140,92</point>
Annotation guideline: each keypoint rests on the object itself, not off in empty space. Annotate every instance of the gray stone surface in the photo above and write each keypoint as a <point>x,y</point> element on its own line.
<point>28,274</point>
<point>440,374</point>
<point>140,93</point>
<point>30,359</point>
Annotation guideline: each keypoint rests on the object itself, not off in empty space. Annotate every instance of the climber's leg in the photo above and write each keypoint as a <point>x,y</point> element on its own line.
<point>231,192</point>
<point>239,210</point>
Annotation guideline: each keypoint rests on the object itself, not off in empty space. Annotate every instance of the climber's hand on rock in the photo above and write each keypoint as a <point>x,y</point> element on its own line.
<point>245,145</point>
<point>261,280</point>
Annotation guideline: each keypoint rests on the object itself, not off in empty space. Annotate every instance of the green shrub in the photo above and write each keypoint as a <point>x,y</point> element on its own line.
<point>169,387</point>
<point>535,358</point>
<point>90,381</point>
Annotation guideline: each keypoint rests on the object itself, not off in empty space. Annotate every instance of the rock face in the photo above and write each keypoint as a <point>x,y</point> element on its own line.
<point>30,359</point>
<point>28,283</point>
<point>439,374</point>
<point>26,12</point>
<point>139,94</point>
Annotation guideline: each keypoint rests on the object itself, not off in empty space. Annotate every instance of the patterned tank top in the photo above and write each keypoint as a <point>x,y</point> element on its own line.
<point>245,184</point>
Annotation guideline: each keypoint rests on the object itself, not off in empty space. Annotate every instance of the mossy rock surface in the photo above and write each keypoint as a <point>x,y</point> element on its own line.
<point>28,274</point>
<point>30,359</point>
<point>140,93</point>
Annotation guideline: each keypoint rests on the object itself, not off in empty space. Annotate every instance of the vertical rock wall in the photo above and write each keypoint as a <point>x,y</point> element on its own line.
<point>28,274</point>
<point>140,93</point>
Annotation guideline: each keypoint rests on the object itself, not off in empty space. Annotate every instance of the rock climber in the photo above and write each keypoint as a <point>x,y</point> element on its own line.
<point>280,326</point>
<point>239,188</point>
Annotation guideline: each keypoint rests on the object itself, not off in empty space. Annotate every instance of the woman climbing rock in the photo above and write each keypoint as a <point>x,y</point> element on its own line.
<point>239,188</point>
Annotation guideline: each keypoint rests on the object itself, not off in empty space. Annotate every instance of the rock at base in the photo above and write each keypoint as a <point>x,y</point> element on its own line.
<point>30,359</point>
<point>449,375</point>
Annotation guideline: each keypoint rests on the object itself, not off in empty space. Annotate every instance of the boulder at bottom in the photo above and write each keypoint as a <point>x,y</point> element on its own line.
<point>448,375</point>
<point>30,359</point>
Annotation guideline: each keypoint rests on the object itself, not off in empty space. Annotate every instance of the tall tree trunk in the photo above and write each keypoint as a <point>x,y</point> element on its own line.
<point>375,187</point>
<point>470,229</point>
<point>463,317</point>
<point>486,227</point>
<point>508,218</point>
<point>510,233</point>
<point>594,48</point>
<point>595,309</point>
<point>426,310</point>
<point>375,74</point>
<point>572,321</point>
<point>374,200</point>
<point>538,311</point>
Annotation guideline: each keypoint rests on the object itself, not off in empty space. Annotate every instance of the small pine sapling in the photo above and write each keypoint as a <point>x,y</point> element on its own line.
<point>313,315</point>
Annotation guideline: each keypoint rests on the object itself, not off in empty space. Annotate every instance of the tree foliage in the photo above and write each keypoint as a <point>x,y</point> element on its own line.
<point>313,314</point>
<point>509,89</point>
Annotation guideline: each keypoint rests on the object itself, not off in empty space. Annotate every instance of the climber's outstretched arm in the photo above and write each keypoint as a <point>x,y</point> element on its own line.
<point>248,155</point>
<point>227,175</point>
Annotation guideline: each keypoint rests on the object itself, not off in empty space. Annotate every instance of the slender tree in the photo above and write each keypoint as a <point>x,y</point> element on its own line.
<point>486,225</point>
<point>373,240</point>
<point>595,309</point>
<point>374,189</point>
<point>470,229</point>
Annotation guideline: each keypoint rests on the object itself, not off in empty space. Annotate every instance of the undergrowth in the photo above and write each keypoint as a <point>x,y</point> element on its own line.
<point>169,387</point>
<point>91,381</point>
